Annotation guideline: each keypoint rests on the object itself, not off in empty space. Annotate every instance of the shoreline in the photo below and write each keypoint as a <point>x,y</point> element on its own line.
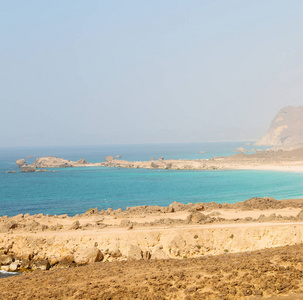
<point>198,251</point>
<point>271,160</point>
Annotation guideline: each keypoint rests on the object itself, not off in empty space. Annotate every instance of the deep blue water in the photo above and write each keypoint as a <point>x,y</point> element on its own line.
<point>75,190</point>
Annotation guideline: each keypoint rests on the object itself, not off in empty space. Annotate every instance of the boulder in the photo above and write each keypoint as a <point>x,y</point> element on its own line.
<point>198,207</point>
<point>28,168</point>
<point>82,161</point>
<point>241,150</point>
<point>4,268</point>
<point>88,256</point>
<point>75,225</point>
<point>134,252</point>
<point>11,224</point>
<point>109,158</point>
<point>153,165</point>
<point>14,266</point>
<point>300,216</point>
<point>177,206</point>
<point>159,254</point>
<point>196,217</point>
<point>66,262</point>
<point>21,163</point>
<point>6,259</point>
<point>115,253</point>
<point>41,265</point>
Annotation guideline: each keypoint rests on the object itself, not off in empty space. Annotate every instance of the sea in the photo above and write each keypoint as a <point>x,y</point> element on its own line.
<point>75,190</point>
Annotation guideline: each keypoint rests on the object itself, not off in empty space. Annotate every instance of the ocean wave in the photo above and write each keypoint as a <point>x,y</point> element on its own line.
<point>4,274</point>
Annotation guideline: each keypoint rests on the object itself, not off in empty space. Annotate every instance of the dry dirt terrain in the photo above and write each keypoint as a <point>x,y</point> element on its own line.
<point>271,273</point>
<point>247,250</point>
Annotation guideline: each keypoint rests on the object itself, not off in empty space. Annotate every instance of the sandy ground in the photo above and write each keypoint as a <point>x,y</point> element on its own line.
<point>271,273</point>
<point>178,252</point>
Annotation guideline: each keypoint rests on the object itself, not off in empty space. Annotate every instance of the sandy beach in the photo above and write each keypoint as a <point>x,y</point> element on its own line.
<point>290,160</point>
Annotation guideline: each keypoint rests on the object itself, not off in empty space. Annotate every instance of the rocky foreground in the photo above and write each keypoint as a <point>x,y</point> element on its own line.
<point>148,232</point>
<point>275,273</point>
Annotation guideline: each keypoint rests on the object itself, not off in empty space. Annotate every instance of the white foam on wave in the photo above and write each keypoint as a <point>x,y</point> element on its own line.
<point>8,273</point>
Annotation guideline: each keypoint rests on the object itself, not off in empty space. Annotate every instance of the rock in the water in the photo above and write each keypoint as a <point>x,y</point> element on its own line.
<point>286,129</point>
<point>87,256</point>
<point>28,168</point>
<point>118,156</point>
<point>109,158</point>
<point>52,162</point>
<point>82,161</point>
<point>21,163</point>
<point>241,150</point>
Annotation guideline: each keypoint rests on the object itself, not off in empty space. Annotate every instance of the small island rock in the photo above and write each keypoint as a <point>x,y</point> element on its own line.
<point>21,163</point>
<point>82,161</point>
<point>109,158</point>
<point>28,169</point>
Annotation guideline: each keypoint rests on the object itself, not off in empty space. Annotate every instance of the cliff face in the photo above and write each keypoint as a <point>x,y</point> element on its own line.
<point>286,129</point>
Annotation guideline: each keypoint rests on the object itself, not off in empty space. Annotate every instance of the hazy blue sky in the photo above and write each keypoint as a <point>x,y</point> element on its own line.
<point>94,72</point>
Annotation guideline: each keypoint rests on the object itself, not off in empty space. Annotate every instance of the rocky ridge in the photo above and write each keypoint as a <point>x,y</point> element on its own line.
<point>286,129</point>
<point>144,232</point>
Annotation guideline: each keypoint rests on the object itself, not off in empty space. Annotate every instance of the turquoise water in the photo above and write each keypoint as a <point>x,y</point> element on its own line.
<point>75,190</point>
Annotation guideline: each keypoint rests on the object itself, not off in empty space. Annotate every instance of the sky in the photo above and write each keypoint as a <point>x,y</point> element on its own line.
<point>110,72</point>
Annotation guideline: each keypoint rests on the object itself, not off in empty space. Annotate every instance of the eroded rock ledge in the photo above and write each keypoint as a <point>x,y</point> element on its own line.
<point>147,232</point>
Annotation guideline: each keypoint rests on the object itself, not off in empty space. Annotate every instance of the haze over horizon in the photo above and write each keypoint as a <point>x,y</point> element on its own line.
<point>107,72</point>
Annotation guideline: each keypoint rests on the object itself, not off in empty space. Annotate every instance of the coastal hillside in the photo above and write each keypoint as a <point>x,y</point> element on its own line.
<point>286,129</point>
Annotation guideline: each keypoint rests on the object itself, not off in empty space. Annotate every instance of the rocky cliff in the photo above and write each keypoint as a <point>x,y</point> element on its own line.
<point>286,129</point>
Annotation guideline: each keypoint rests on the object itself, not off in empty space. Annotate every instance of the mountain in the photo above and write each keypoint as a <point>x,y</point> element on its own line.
<point>286,129</point>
